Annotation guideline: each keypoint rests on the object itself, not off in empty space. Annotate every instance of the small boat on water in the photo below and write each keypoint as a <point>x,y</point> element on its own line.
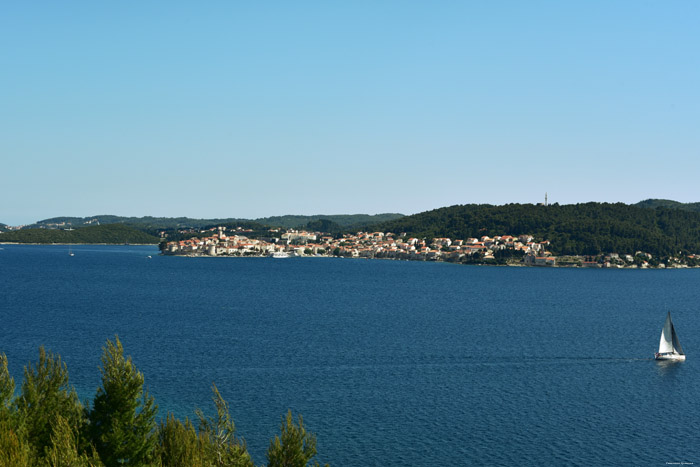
<point>669,345</point>
<point>279,254</point>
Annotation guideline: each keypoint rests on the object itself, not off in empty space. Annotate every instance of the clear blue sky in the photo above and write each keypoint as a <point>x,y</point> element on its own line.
<point>252,109</point>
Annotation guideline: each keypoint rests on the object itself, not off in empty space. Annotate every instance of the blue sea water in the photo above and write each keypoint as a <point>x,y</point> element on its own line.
<point>390,363</point>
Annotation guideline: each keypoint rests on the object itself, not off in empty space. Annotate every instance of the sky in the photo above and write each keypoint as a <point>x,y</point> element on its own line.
<point>224,109</point>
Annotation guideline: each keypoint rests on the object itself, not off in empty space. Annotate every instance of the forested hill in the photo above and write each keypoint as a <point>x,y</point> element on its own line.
<point>112,233</point>
<point>141,223</point>
<point>349,221</point>
<point>576,229</point>
<point>149,223</point>
<point>667,203</point>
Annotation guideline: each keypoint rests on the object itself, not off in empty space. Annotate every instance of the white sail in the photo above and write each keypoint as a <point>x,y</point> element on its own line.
<point>666,342</point>
<point>669,345</point>
<point>676,343</point>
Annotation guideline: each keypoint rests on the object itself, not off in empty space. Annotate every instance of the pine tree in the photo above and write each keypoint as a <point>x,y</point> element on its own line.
<point>296,447</point>
<point>7,389</point>
<point>14,450</point>
<point>178,444</point>
<point>221,446</point>
<point>46,395</point>
<point>122,421</point>
<point>64,448</point>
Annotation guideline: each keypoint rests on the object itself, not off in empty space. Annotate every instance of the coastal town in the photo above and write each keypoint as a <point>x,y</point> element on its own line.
<point>522,250</point>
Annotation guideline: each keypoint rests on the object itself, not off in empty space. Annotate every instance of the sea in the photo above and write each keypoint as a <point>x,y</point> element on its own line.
<point>390,363</point>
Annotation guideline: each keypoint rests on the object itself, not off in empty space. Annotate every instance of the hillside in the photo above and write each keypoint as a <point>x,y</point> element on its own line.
<point>660,227</point>
<point>155,223</point>
<point>142,223</point>
<point>347,221</point>
<point>667,203</point>
<point>113,233</point>
<point>576,229</point>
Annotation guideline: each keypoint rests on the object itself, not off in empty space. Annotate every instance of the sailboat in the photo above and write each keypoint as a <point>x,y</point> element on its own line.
<point>669,345</point>
<point>70,251</point>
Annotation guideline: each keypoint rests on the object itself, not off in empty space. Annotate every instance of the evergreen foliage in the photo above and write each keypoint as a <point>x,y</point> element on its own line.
<point>141,223</point>
<point>295,447</point>
<point>122,421</point>
<point>149,223</point>
<point>667,203</point>
<point>324,225</point>
<point>64,450</point>
<point>221,446</point>
<point>7,389</point>
<point>14,448</point>
<point>178,444</point>
<point>113,233</point>
<point>46,395</point>
<point>347,221</point>
<point>46,426</point>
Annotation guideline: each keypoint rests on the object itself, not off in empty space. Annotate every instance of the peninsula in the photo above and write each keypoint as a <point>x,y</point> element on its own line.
<point>522,250</point>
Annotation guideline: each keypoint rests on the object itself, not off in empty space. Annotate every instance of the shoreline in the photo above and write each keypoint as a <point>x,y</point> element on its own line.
<point>79,244</point>
<point>513,265</point>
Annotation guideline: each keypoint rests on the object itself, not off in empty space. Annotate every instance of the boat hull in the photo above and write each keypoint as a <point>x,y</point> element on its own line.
<point>673,356</point>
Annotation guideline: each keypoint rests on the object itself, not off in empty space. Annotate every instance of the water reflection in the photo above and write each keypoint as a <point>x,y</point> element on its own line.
<point>668,368</point>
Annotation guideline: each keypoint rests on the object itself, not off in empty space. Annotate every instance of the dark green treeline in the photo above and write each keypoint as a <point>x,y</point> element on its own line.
<point>111,234</point>
<point>576,229</point>
<point>47,425</point>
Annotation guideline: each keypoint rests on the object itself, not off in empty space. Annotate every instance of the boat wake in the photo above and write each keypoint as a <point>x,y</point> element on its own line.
<point>563,360</point>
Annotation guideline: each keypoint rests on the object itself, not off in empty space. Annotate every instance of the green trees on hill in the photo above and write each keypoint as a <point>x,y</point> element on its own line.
<point>324,225</point>
<point>660,227</point>
<point>149,223</point>
<point>667,203</point>
<point>112,233</point>
<point>577,229</point>
<point>46,425</point>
